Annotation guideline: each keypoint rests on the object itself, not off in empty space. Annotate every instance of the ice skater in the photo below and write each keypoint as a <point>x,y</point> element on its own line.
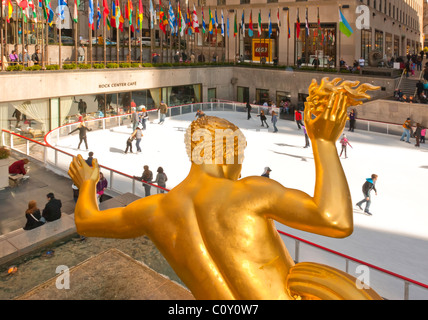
<point>344,142</point>
<point>298,118</point>
<point>368,186</point>
<point>82,134</point>
<point>129,143</point>
<point>274,120</point>
<point>307,144</point>
<point>352,119</point>
<point>144,116</point>
<point>248,106</point>
<point>407,128</point>
<point>263,118</point>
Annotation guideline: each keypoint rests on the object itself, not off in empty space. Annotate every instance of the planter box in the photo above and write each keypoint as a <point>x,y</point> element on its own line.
<point>4,173</point>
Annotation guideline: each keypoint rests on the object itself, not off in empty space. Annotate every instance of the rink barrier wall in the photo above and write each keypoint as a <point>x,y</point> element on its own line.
<point>388,284</point>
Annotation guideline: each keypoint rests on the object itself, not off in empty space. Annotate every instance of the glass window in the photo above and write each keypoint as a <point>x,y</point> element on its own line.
<point>388,45</point>
<point>180,95</point>
<point>321,44</point>
<point>379,40</point>
<point>396,46</point>
<point>243,94</point>
<point>262,96</point>
<point>366,43</point>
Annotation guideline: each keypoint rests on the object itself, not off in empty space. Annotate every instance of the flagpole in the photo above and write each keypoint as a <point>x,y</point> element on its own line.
<point>104,40</point>
<point>59,53</point>
<point>1,37</point>
<point>46,42</point>
<point>22,36</point>
<point>340,42</point>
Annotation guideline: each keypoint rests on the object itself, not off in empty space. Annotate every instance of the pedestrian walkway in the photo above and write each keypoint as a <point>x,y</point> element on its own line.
<point>14,200</point>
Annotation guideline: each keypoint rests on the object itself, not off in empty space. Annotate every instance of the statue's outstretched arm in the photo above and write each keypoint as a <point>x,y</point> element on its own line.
<point>121,222</point>
<point>329,212</point>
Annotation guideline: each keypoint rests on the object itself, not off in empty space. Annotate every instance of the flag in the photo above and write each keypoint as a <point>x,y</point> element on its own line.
<point>106,11</point>
<point>235,27</point>
<point>195,20</point>
<point>48,12</point>
<point>189,21</point>
<point>216,21</point>
<point>344,25</point>
<point>183,25</point>
<point>227,25</point>
<point>270,26</point>
<point>222,23</point>
<point>140,15</point>
<point>161,18</point>
<point>152,15</point>
<point>243,23</point>
<point>306,23</point>
<point>113,14</point>
<point>117,14</point>
<point>259,25</point>
<point>211,20</point>
<point>121,20</point>
<point>91,14</point>
<point>171,17</point>
<point>279,21</point>
<point>179,24</point>
<point>23,4</point>
<point>130,11</point>
<point>40,3</point>
<point>98,14</point>
<point>204,27</point>
<point>61,5</point>
<point>31,5</point>
<point>9,11</point>
<point>288,23</point>
<point>250,27</point>
<point>75,10</point>
<point>298,25</point>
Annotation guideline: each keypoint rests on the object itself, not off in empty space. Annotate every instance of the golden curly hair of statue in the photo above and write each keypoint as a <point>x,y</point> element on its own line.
<point>209,140</point>
<point>319,95</point>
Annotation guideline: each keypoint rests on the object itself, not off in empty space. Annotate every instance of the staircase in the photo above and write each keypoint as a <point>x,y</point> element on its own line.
<point>407,85</point>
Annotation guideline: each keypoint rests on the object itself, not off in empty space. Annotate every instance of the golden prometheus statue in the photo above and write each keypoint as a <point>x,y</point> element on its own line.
<point>217,231</point>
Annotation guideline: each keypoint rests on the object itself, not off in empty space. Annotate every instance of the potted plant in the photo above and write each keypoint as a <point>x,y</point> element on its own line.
<point>4,167</point>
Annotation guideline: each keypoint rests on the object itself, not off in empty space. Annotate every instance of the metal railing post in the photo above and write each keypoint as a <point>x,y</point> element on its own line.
<point>28,147</point>
<point>133,186</point>
<point>406,290</point>
<point>296,251</point>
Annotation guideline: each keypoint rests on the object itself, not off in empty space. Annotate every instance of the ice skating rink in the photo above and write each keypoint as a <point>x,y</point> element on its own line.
<point>394,238</point>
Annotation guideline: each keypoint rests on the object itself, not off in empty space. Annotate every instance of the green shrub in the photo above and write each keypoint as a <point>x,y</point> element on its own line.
<point>85,66</point>
<point>112,65</point>
<point>33,68</point>
<point>98,66</point>
<point>124,65</point>
<point>69,66</point>
<point>147,65</point>
<point>52,67</point>
<point>16,67</point>
<point>135,65</point>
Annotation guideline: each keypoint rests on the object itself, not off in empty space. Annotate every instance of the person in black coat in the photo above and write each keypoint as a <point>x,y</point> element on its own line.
<point>82,134</point>
<point>34,218</point>
<point>248,106</point>
<point>52,210</point>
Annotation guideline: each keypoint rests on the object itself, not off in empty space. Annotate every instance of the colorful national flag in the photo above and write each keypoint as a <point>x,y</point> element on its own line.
<point>61,5</point>
<point>222,23</point>
<point>288,23</point>
<point>195,23</point>
<point>204,27</point>
<point>250,27</point>
<point>171,16</point>
<point>227,25</point>
<point>306,23</point>
<point>344,25</point>
<point>211,21</point>
<point>235,27</point>
<point>270,26</point>
<point>130,12</point>
<point>31,5</point>
<point>113,14</point>
<point>91,14</point>
<point>140,15</point>
<point>183,24</point>
<point>106,11</point>
<point>259,25</point>
<point>152,15</point>
<point>22,3</point>
<point>9,11</point>
<point>243,23</point>
<point>117,14</point>
<point>298,25</point>
<point>161,18</point>
<point>76,10</point>
<point>278,22</point>
<point>189,21</point>
<point>216,21</point>
<point>98,14</point>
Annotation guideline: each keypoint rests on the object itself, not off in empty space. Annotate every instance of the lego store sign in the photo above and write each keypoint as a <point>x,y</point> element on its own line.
<point>262,48</point>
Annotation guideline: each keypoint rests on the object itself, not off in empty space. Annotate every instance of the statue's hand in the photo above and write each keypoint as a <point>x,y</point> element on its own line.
<point>328,122</point>
<point>79,171</point>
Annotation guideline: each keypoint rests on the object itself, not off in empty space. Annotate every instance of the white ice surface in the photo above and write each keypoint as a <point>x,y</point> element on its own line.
<point>394,238</point>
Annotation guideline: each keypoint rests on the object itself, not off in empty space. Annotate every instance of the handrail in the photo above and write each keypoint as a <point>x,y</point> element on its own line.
<point>356,260</point>
<point>46,144</point>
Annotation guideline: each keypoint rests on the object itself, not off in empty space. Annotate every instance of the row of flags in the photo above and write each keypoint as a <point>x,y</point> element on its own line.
<point>178,22</point>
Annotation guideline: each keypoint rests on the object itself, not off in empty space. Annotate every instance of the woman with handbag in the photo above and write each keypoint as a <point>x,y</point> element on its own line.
<point>34,217</point>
